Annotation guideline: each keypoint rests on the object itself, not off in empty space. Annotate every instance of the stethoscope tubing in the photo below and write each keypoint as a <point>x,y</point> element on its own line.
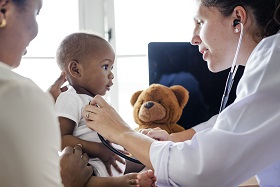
<point>231,74</point>
<point>116,151</point>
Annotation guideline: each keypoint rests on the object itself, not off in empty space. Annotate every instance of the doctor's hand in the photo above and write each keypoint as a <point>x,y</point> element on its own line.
<point>74,169</point>
<point>103,118</point>
<point>56,89</point>
<point>156,133</point>
<point>162,135</point>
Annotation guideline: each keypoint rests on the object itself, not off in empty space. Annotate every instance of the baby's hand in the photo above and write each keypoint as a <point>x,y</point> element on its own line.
<point>156,133</point>
<point>109,158</point>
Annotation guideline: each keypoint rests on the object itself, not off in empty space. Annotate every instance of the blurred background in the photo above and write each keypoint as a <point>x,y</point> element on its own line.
<point>129,25</point>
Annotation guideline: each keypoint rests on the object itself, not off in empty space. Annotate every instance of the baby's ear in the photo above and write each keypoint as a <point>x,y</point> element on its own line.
<point>74,69</point>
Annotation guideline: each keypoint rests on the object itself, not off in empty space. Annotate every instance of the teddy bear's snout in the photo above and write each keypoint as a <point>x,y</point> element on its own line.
<point>149,105</point>
<point>151,111</point>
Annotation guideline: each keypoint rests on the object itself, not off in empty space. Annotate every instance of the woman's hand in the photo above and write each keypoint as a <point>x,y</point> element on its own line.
<point>56,88</point>
<point>74,169</point>
<point>156,133</point>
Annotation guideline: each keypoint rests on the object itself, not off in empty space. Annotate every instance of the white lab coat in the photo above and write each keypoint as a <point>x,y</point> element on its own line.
<point>244,139</point>
<point>270,176</point>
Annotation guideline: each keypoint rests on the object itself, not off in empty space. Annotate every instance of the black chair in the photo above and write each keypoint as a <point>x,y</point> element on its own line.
<point>181,63</point>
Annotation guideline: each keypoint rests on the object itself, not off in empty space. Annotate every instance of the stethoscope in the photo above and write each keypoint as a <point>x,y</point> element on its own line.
<point>114,150</point>
<point>106,143</point>
<point>227,89</point>
<point>233,70</point>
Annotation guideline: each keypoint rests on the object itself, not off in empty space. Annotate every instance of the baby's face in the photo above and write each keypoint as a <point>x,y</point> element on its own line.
<point>97,76</point>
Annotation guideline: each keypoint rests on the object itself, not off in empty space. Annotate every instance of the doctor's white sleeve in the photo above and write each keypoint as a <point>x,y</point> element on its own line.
<point>205,125</point>
<point>214,158</point>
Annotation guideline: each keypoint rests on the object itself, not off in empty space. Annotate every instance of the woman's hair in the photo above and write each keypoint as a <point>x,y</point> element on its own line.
<point>20,3</point>
<point>265,12</point>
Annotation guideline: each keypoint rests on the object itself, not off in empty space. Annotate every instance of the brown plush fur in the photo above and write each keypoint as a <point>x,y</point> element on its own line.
<point>159,106</point>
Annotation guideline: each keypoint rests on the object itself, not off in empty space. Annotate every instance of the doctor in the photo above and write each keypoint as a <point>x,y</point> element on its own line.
<point>244,138</point>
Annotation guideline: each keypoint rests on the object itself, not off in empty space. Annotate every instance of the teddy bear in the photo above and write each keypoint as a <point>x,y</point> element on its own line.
<point>159,106</point>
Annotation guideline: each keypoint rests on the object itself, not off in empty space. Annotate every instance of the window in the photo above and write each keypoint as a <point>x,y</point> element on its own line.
<point>135,23</point>
<point>138,22</point>
<point>55,22</point>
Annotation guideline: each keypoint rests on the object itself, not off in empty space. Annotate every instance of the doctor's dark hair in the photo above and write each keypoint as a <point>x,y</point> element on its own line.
<point>266,12</point>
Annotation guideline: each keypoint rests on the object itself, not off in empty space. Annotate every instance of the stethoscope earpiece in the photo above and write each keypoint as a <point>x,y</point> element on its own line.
<point>236,22</point>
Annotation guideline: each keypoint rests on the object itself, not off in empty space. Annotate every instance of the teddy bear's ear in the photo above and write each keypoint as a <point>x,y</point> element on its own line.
<point>182,94</point>
<point>134,97</point>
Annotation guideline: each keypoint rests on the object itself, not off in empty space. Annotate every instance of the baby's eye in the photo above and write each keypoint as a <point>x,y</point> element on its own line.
<point>105,67</point>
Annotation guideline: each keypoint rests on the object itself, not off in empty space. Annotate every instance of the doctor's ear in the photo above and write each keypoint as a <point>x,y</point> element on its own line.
<point>239,15</point>
<point>74,69</point>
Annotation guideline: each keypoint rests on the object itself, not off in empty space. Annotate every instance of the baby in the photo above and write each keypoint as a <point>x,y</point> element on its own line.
<point>87,61</point>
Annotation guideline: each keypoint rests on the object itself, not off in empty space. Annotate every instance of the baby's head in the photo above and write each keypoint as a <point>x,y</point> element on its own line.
<point>88,61</point>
